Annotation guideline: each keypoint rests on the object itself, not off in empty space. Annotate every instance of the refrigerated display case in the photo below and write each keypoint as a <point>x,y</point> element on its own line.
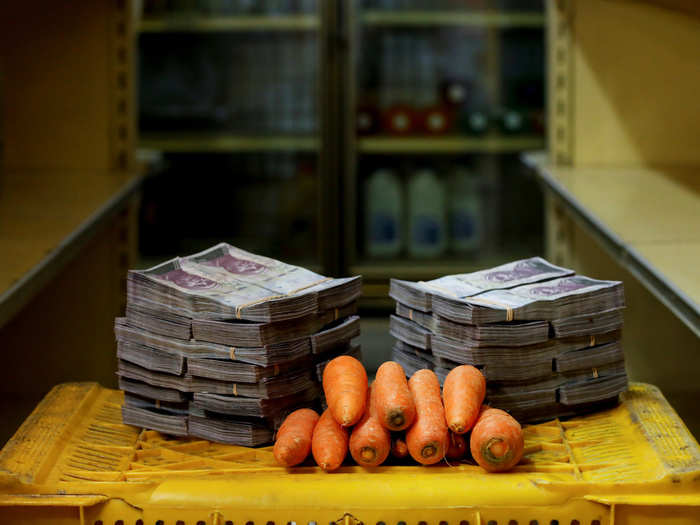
<point>441,96</point>
<point>229,96</point>
<point>373,137</point>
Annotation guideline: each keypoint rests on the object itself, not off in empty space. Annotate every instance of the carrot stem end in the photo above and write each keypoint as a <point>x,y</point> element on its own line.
<point>428,451</point>
<point>368,454</point>
<point>496,451</point>
<point>396,419</point>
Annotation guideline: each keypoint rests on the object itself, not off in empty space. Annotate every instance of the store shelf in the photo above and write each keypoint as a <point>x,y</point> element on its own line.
<point>423,269</point>
<point>648,219</point>
<point>225,143</point>
<point>212,24</point>
<point>45,219</point>
<point>453,18</point>
<point>448,144</point>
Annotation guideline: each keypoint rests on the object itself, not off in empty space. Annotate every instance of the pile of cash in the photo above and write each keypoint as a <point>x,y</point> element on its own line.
<point>223,344</point>
<point>547,340</point>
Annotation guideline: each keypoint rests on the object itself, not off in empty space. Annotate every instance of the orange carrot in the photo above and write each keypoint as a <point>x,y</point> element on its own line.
<point>395,407</point>
<point>427,439</point>
<point>329,443</point>
<point>293,442</point>
<point>463,391</point>
<point>497,440</point>
<point>345,386</point>
<point>398,447</point>
<point>370,442</point>
<point>457,448</point>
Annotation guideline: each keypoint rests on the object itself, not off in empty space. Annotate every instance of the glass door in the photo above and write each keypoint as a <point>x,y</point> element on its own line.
<point>229,96</point>
<point>443,97</point>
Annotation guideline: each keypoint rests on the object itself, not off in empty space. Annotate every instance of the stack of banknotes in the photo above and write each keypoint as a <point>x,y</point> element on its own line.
<point>547,340</point>
<point>223,344</point>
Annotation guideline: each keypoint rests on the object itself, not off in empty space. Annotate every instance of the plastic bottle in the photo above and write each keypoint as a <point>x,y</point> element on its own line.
<point>465,212</point>
<point>384,210</point>
<point>512,121</point>
<point>476,122</point>
<point>436,120</point>
<point>427,215</point>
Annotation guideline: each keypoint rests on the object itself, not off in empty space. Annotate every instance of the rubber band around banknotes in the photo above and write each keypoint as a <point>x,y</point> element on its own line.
<point>509,310</point>
<point>592,341</point>
<point>335,314</point>
<point>232,353</point>
<point>157,403</point>
<point>595,373</point>
<point>410,314</point>
<point>240,307</point>
<point>235,389</point>
<point>276,370</point>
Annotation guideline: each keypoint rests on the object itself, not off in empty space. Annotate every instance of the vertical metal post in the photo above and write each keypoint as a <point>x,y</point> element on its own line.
<point>559,232</point>
<point>330,157</point>
<point>121,78</point>
<point>489,164</point>
<point>560,63</point>
<point>348,161</point>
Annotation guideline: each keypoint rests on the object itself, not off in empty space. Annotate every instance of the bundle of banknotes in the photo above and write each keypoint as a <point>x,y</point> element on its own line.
<point>223,344</point>
<point>547,340</point>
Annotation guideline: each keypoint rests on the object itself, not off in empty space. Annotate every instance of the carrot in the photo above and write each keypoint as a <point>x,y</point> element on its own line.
<point>398,447</point>
<point>395,406</point>
<point>329,443</point>
<point>463,391</point>
<point>497,440</point>
<point>293,442</point>
<point>345,387</point>
<point>427,439</point>
<point>458,446</point>
<point>370,442</point>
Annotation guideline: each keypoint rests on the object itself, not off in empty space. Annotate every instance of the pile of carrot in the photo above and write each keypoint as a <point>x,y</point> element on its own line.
<point>400,417</point>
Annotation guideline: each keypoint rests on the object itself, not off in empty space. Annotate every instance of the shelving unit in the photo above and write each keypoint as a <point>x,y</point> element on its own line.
<point>210,24</point>
<point>269,156</point>
<point>339,150</point>
<point>660,246</point>
<point>401,153</point>
<point>623,173</point>
<point>69,189</point>
<point>47,218</point>
<point>406,18</point>
<point>190,142</point>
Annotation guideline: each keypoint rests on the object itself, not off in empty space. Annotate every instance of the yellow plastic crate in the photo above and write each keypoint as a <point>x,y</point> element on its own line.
<point>73,461</point>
